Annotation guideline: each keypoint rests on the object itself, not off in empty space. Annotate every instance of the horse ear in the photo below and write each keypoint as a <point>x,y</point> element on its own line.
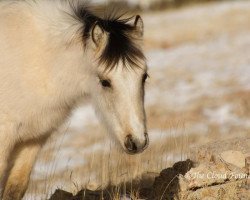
<point>139,25</point>
<point>98,35</point>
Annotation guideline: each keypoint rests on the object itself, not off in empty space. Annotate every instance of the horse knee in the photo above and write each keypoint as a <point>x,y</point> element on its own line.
<point>17,182</point>
<point>14,191</point>
<point>19,176</point>
<point>16,186</point>
<point>3,170</point>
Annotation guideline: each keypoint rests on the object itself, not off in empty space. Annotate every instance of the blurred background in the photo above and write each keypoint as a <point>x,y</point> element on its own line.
<point>198,53</point>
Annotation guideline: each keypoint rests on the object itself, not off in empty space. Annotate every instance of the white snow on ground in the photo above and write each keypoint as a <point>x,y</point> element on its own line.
<point>223,116</point>
<point>223,59</point>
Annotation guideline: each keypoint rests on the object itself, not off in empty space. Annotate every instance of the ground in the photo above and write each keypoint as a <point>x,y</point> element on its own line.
<point>198,92</point>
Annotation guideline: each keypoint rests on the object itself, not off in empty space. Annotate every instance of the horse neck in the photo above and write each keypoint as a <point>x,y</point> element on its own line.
<point>57,19</point>
<point>60,45</point>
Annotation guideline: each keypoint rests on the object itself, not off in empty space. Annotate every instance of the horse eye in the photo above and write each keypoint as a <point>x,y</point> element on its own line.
<point>144,78</point>
<point>106,83</point>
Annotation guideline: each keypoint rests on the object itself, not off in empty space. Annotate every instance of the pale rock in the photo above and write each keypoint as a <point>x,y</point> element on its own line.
<point>236,158</point>
<point>211,152</point>
<point>205,175</point>
<point>247,164</point>
<point>183,183</point>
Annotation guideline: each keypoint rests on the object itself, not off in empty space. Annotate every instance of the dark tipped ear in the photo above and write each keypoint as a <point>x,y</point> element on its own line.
<point>139,25</point>
<point>97,35</point>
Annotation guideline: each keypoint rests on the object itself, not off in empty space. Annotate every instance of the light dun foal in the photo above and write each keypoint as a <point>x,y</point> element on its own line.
<point>53,54</point>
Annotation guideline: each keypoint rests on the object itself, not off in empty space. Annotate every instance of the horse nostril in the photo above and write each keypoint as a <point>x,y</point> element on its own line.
<point>129,144</point>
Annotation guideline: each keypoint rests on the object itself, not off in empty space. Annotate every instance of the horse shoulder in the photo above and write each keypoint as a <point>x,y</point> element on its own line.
<point>28,93</point>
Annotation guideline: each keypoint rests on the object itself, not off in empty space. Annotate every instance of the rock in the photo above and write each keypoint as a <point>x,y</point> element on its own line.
<point>211,152</point>
<point>226,191</point>
<point>83,194</point>
<point>236,158</point>
<point>166,185</point>
<point>183,183</point>
<point>61,195</point>
<point>247,164</point>
<point>206,175</point>
<point>148,179</point>
<point>90,195</point>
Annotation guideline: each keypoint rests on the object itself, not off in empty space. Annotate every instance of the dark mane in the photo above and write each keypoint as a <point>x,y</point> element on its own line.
<point>121,41</point>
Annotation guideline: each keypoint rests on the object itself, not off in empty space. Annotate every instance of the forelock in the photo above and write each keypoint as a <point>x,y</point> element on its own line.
<point>121,43</point>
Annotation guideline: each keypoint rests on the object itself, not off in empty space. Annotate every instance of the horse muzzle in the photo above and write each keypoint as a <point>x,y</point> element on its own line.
<point>134,146</point>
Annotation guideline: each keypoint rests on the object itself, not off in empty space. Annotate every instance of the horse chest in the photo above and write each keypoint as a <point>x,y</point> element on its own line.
<point>43,122</point>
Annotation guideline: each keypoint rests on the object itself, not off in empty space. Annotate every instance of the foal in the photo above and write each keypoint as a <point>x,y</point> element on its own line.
<point>52,55</point>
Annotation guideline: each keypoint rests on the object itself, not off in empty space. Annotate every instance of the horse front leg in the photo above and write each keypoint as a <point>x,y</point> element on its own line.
<point>7,142</point>
<point>24,158</point>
